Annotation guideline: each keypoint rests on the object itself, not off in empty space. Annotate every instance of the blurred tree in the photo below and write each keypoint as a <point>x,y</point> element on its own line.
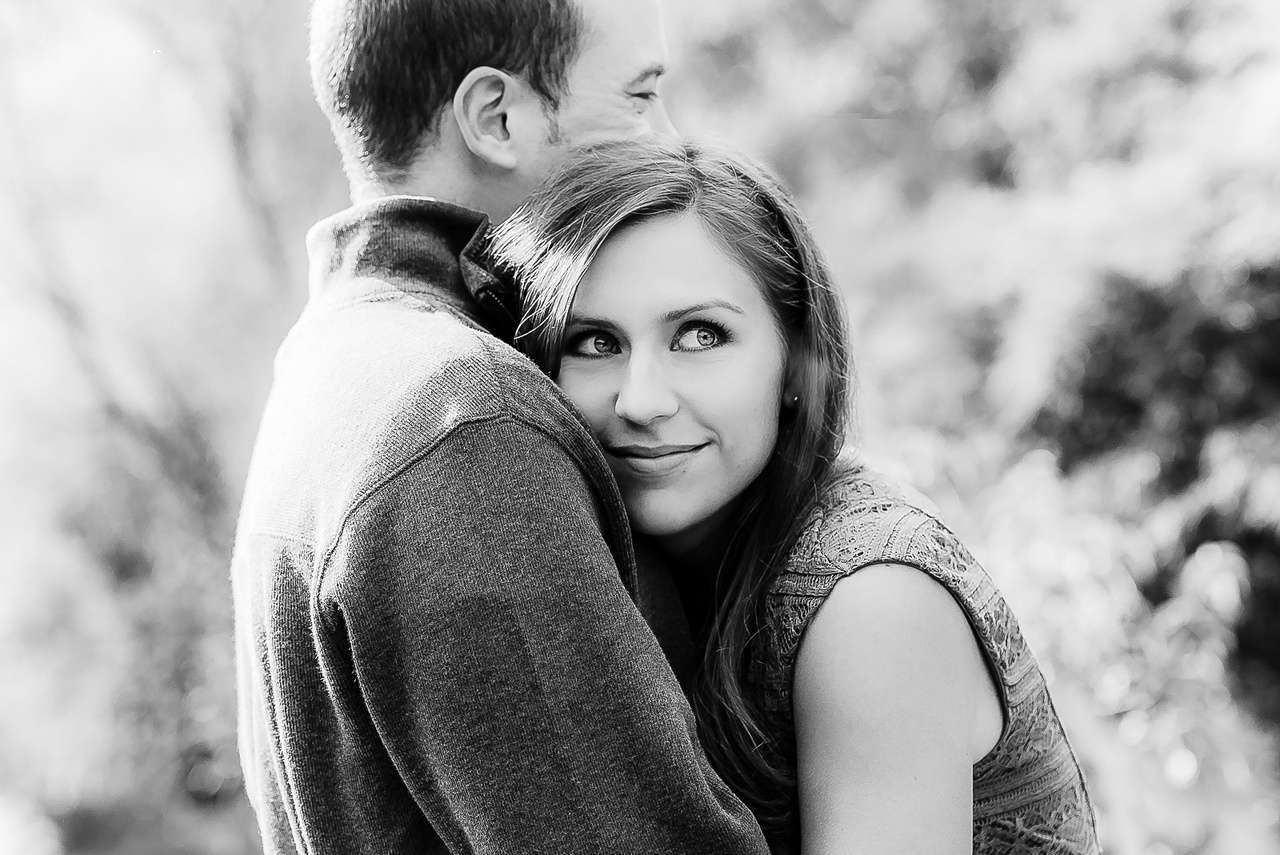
<point>1163,367</point>
<point>144,505</point>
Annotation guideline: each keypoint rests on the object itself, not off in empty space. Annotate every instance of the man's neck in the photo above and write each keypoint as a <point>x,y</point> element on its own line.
<point>441,174</point>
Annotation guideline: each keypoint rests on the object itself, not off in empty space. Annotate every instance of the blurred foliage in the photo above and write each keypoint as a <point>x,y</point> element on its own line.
<point>1056,227</point>
<point>1164,367</point>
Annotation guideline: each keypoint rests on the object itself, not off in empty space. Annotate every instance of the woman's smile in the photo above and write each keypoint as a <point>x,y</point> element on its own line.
<point>651,461</point>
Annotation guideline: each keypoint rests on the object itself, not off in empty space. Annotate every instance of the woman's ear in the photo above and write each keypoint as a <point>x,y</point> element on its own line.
<point>499,117</point>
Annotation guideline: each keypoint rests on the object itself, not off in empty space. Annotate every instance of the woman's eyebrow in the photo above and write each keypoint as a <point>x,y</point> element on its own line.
<point>677,314</point>
<point>588,321</point>
<point>576,320</point>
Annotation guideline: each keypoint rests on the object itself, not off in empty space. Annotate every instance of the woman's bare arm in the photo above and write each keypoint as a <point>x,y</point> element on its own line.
<point>888,688</point>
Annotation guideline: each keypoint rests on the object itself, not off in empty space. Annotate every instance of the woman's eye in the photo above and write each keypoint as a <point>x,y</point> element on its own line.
<point>593,344</point>
<point>701,336</point>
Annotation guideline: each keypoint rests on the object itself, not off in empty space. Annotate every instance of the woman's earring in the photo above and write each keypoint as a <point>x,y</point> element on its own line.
<point>793,401</point>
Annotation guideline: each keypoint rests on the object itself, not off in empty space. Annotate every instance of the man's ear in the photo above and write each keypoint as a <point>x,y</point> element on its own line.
<point>495,111</point>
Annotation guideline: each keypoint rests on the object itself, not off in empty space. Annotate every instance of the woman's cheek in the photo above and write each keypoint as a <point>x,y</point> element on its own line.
<point>588,392</point>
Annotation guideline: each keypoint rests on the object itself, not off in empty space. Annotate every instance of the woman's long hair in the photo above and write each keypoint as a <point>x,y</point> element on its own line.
<point>547,246</point>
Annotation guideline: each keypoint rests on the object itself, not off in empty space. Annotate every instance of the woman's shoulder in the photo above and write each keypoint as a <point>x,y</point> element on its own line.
<point>862,517</point>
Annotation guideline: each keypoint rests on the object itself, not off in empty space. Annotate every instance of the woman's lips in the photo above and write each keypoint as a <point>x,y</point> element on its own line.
<point>652,459</point>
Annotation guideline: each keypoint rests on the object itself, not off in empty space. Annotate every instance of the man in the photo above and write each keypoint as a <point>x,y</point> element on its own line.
<point>437,644</point>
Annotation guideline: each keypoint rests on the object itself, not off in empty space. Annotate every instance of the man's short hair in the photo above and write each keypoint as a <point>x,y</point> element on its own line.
<point>383,69</point>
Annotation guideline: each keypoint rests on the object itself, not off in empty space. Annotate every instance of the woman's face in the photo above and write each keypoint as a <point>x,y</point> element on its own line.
<point>677,362</point>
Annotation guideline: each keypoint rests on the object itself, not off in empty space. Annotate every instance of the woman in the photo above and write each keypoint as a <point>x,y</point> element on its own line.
<point>864,686</point>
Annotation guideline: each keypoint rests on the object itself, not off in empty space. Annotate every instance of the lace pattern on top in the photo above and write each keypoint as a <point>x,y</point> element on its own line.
<point>1029,794</point>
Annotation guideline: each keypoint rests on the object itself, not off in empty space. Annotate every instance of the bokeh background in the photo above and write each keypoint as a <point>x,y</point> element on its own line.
<point>1057,224</point>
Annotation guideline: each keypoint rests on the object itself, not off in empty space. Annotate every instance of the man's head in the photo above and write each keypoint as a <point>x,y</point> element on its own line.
<point>475,101</point>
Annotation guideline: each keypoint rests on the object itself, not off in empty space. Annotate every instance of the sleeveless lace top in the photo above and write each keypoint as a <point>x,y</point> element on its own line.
<point>1028,793</point>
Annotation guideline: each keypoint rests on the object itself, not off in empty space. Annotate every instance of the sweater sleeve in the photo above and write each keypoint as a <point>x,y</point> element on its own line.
<point>517,690</point>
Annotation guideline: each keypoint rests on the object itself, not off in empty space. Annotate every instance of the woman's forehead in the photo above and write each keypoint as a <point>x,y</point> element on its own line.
<point>661,265</point>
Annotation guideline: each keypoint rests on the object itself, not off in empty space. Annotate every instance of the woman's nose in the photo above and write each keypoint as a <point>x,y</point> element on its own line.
<point>644,396</point>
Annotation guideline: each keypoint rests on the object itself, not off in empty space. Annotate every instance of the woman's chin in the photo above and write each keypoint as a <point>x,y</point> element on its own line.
<point>660,527</point>
<point>686,535</point>
<point>661,524</point>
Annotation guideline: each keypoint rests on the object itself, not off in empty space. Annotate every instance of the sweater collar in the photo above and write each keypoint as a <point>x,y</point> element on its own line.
<point>419,245</point>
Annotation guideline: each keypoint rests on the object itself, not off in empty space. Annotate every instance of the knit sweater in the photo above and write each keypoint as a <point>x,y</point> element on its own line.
<point>437,638</point>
